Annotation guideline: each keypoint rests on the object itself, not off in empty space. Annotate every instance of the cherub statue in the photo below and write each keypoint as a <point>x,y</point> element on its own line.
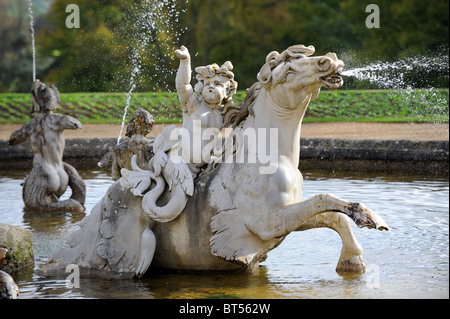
<point>50,176</point>
<point>118,235</point>
<point>216,87</point>
<point>136,143</point>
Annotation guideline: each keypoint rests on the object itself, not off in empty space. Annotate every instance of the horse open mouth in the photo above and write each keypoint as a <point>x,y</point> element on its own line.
<point>333,80</point>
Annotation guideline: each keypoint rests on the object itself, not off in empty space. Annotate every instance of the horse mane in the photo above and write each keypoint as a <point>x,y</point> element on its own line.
<point>235,114</point>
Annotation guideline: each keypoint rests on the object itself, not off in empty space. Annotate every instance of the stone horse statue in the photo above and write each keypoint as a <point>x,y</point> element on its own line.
<point>241,209</point>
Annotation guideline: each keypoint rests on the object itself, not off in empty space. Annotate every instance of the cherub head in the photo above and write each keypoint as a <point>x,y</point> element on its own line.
<point>216,84</point>
<point>141,123</point>
<point>45,98</point>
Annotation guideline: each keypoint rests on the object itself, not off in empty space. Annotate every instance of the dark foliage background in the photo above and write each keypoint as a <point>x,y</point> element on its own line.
<point>97,57</point>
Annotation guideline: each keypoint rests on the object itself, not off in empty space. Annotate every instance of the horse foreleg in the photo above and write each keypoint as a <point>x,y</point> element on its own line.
<point>282,221</point>
<point>351,253</point>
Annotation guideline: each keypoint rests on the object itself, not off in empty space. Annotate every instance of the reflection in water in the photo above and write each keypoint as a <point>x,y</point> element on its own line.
<point>408,261</point>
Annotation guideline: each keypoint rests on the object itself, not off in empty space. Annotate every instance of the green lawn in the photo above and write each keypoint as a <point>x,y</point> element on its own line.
<point>331,106</point>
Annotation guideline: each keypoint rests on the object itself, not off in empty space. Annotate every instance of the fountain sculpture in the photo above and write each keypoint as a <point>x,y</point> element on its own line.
<point>202,121</point>
<point>236,203</point>
<point>50,176</point>
<point>135,143</point>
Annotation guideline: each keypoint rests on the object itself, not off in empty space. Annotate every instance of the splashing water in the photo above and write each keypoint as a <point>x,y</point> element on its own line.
<point>390,75</point>
<point>30,13</point>
<point>134,73</point>
<point>153,29</point>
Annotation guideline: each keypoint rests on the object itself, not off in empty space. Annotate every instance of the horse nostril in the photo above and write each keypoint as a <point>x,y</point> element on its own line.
<point>323,64</point>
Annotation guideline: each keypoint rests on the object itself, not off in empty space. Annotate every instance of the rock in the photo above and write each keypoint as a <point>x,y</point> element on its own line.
<point>19,243</point>
<point>8,288</point>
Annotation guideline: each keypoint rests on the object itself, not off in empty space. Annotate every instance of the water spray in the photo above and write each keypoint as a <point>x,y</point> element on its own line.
<point>30,13</point>
<point>155,16</point>
<point>391,75</point>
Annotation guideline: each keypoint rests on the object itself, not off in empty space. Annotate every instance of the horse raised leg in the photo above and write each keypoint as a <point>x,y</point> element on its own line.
<point>351,253</point>
<point>289,218</point>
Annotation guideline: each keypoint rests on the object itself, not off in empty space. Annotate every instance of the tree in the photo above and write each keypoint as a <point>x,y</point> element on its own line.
<point>114,38</point>
<point>118,36</point>
<point>15,53</point>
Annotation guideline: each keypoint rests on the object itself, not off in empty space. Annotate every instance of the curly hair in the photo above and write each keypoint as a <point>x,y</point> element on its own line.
<point>212,70</point>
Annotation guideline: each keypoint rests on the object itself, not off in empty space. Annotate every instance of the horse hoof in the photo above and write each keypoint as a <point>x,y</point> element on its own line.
<point>353,263</point>
<point>365,217</point>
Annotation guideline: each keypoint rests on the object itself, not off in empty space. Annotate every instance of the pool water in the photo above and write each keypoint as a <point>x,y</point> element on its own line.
<point>411,260</point>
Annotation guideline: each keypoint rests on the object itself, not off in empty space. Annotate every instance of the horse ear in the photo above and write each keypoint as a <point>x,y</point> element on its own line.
<point>272,56</point>
<point>265,75</point>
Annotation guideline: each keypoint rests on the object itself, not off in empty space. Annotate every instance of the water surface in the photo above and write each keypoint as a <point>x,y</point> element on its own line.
<point>411,260</point>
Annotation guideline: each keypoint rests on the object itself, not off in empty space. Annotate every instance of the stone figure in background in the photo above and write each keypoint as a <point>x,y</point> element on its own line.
<point>50,176</point>
<point>8,288</point>
<point>136,143</point>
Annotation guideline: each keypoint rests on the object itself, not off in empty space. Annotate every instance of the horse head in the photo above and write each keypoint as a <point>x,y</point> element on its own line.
<point>294,74</point>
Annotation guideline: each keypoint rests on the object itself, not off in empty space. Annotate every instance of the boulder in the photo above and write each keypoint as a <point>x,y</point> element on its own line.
<point>19,242</point>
